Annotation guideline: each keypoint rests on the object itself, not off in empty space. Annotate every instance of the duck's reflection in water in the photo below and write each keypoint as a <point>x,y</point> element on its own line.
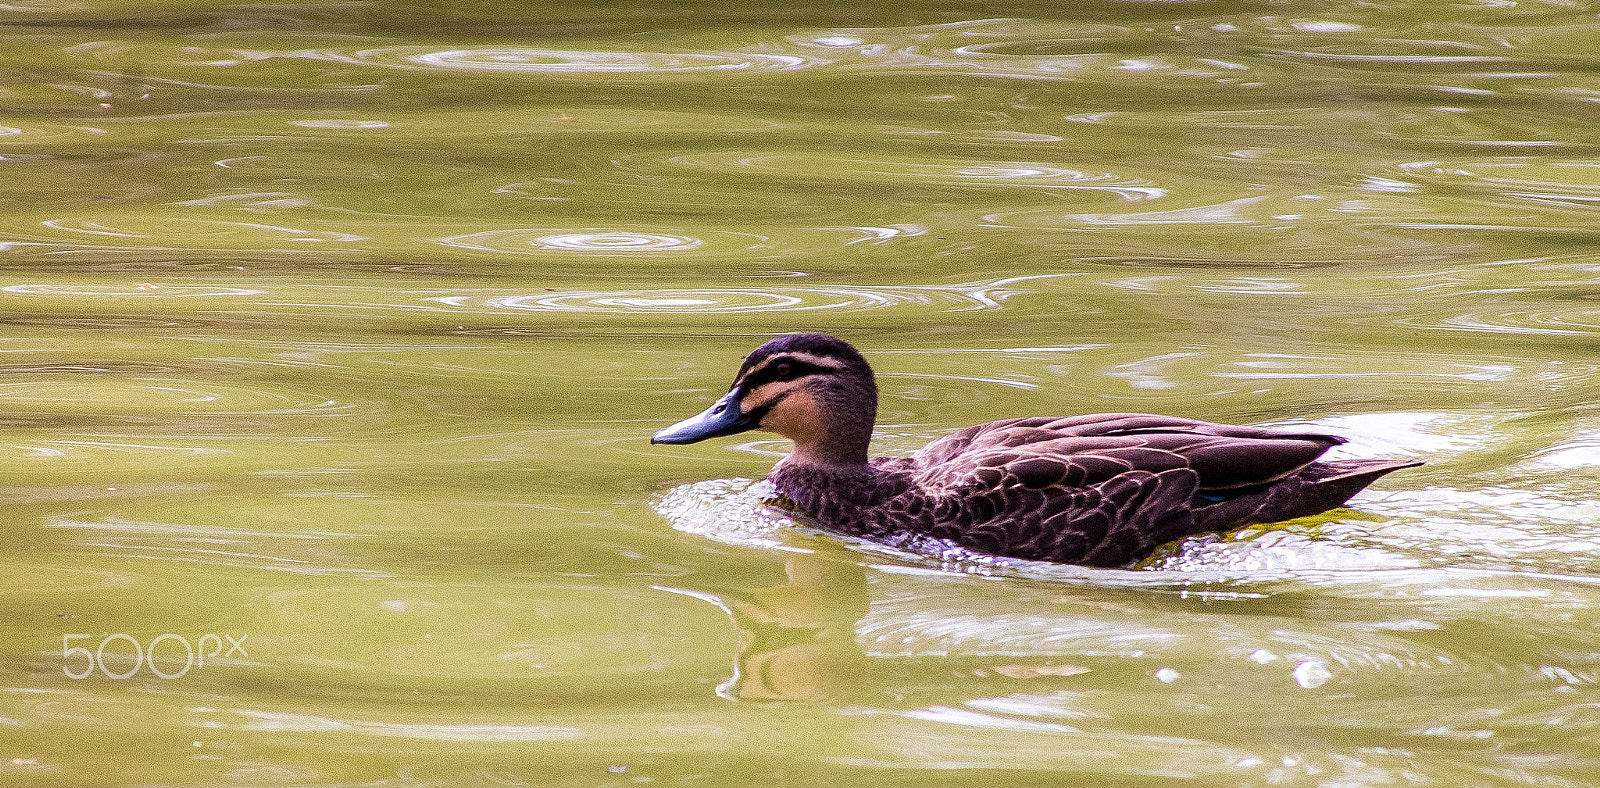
<point>797,641</point>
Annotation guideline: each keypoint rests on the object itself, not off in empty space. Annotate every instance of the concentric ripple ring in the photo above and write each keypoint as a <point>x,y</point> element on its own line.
<point>557,61</point>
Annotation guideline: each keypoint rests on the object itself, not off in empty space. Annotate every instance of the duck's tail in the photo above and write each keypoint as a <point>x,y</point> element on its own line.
<point>1329,484</point>
<point>1316,488</point>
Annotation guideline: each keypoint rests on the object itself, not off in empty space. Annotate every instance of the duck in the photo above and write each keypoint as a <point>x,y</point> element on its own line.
<point>1099,490</point>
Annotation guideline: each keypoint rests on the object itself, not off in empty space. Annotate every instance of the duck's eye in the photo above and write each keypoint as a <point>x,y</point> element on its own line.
<point>784,370</point>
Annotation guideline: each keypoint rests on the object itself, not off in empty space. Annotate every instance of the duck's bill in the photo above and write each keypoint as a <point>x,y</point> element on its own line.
<point>723,418</point>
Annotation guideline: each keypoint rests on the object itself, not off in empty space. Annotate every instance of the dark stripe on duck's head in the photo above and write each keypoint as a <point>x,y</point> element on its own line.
<point>786,366</point>
<point>828,369</point>
<point>818,352</point>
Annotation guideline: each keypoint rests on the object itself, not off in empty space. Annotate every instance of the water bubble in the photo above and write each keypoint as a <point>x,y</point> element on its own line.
<point>726,510</point>
<point>1311,674</point>
<point>1167,675</point>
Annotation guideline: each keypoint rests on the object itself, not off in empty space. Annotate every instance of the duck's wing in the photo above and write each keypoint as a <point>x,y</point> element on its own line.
<point>1102,490</point>
<point>1083,451</point>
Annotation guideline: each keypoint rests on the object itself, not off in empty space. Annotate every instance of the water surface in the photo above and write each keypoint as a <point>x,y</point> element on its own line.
<point>336,332</point>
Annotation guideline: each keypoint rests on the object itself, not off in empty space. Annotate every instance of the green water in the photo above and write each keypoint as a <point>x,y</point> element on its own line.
<point>336,332</point>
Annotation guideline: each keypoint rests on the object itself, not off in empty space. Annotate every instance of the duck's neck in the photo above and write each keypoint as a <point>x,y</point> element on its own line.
<point>844,452</point>
<point>812,465</point>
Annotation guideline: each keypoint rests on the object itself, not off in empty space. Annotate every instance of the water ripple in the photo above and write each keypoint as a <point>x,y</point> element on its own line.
<point>145,396</point>
<point>1253,551</point>
<point>338,123</point>
<point>1406,57</point>
<point>970,296</point>
<point>1000,174</point>
<point>42,134</point>
<point>297,553</point>
<point>1509,321</point>
<point>284,722</point>
<point>704,302</point>
<point>1581,451</point>
<point>1547,182</point>
<point>1521,529</point>
<point>604,241</point>
<point>534,60</point>
<point>880,235</point>
<point>131,291</point>
<point>1244,210</point>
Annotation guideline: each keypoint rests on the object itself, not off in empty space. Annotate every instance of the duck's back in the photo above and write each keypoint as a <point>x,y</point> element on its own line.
<point>1107,488</point>
<point>1086,450</point>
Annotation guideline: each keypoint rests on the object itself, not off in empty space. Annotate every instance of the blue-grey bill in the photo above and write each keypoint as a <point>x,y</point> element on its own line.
<point>723,418</point>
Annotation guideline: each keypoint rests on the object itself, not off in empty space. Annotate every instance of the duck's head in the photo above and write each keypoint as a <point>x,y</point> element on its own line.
<point>810,388</point>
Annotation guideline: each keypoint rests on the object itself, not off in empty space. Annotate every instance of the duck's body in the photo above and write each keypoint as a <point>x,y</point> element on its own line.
<point>1100,490</point>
